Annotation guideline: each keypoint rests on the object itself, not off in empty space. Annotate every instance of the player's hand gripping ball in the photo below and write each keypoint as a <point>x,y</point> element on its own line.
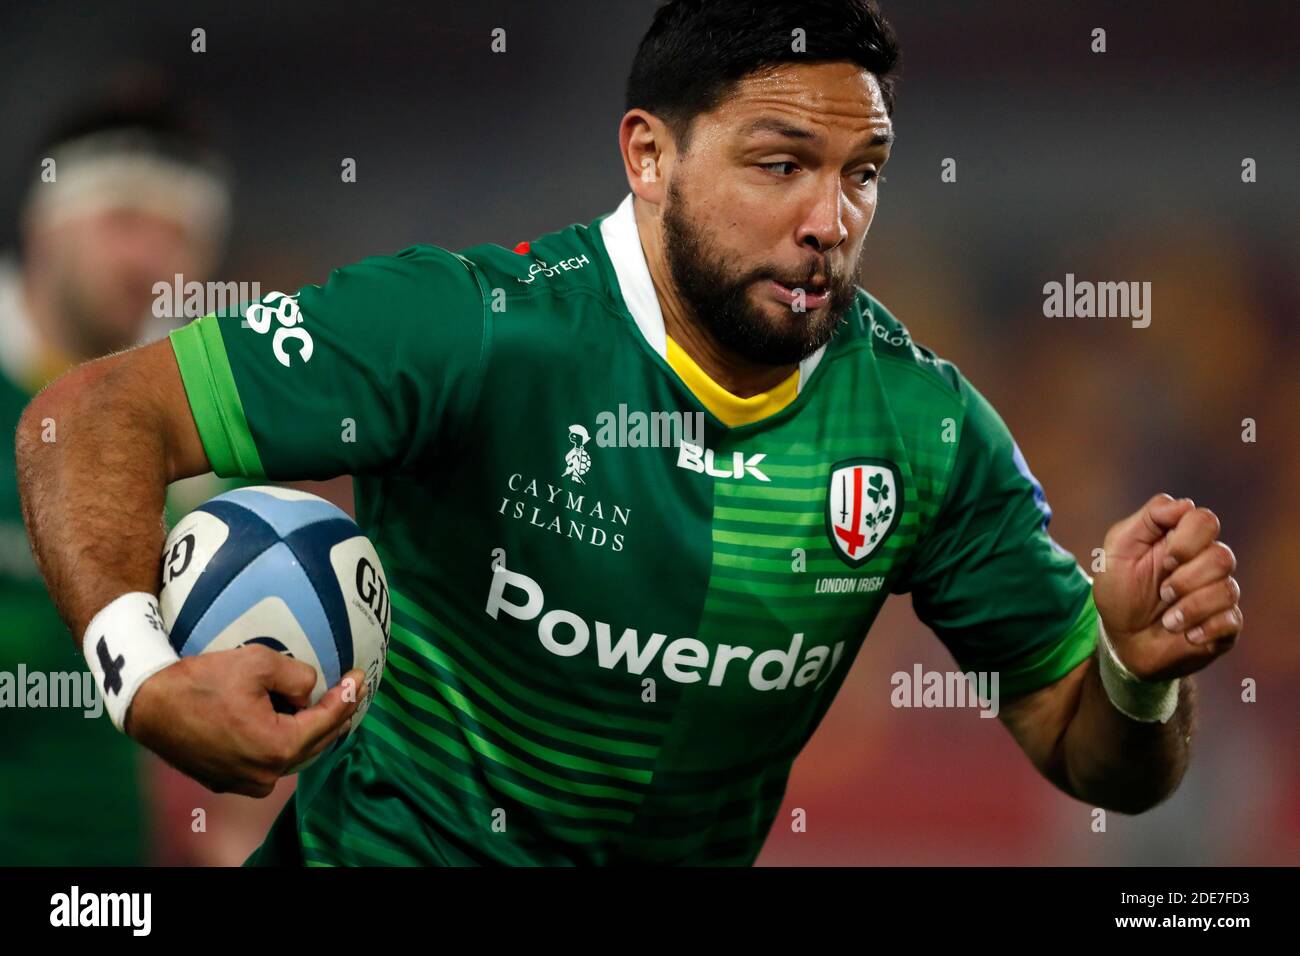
<point>285,569</point>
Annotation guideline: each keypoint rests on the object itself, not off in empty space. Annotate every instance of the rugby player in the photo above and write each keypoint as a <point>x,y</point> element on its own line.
<point>607,649</point>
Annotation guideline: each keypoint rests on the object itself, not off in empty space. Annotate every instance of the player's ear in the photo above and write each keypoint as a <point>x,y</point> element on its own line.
<point>645,144</point>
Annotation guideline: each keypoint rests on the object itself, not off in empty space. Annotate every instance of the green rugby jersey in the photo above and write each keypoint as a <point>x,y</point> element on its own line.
<point>616,621</point>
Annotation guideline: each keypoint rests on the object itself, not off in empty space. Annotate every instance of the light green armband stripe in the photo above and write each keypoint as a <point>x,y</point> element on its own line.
<point>1073,647</point>
<point>214,399</point>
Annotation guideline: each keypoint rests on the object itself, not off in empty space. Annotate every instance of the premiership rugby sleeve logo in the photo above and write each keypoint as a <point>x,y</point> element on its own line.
<point>863,502</point>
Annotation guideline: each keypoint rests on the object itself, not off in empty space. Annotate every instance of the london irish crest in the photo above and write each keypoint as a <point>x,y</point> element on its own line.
<point>863,502</point>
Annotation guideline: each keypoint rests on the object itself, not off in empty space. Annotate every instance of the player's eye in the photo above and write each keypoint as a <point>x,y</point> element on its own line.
<point>776,166</point>
<point>869,174</point>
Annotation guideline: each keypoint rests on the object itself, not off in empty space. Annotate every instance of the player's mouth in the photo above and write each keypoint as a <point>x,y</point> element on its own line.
<point>814,296</point>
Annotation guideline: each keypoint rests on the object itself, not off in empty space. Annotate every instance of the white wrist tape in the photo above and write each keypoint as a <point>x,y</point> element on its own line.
<point>1137,699</point>
<point>125,644</point>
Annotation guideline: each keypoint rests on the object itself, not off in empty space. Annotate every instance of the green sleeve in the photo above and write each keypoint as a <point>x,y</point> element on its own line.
<point>987,577</point>
<point>362,375</point>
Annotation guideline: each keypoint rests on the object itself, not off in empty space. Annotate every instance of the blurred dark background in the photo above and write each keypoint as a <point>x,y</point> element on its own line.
<point>1122,166</point>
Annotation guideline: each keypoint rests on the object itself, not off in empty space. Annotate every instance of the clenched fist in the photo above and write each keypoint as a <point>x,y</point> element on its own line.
<point>1166,595</point>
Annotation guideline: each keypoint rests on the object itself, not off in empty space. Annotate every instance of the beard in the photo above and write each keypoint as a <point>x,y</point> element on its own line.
<point>720,302</point>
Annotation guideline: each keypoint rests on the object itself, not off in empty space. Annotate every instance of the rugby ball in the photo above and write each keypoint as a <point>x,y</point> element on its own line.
<point>281,568</point>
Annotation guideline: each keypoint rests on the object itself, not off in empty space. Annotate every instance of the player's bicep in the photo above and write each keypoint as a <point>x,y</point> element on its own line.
<point>147,380</point>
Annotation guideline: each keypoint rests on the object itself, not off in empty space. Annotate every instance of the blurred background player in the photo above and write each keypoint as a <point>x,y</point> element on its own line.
<point>123,195</point>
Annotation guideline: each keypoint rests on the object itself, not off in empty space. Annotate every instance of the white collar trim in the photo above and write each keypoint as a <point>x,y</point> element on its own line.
<point>623,242</point>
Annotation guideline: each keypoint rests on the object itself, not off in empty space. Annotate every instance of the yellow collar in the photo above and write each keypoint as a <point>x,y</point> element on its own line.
<point>731,410</point>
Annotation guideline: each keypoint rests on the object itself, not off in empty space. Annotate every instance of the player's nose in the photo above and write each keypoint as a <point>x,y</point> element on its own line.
<point>823,227</point>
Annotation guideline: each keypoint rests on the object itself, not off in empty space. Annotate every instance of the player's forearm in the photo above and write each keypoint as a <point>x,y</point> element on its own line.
<point>1112,761</point>
<point>92,477</point>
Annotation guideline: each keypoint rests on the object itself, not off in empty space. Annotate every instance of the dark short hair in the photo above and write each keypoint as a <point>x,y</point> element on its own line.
<point>697,51</point>
<point>162,122</point>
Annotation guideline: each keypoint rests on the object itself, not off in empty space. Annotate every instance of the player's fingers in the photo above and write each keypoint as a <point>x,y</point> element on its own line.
<point>327,741</point>
<point>1215,562</point>
<point>1195,531</point>
<point>294,680</point>
<point>353,685</point>
<point>313,724</point>
<point>1219,632</point>
<point>1195,608</point>
<point>1152,521</point>
<point>1177,655</point>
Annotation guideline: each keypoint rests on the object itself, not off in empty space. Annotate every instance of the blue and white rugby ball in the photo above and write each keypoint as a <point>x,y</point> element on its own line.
<point>285,569</point>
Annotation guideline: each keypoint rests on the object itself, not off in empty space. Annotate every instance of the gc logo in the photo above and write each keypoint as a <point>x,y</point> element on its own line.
<point>285,312</point>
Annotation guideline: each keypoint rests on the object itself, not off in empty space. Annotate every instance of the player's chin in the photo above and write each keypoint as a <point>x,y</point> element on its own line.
<point>790,340</point>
